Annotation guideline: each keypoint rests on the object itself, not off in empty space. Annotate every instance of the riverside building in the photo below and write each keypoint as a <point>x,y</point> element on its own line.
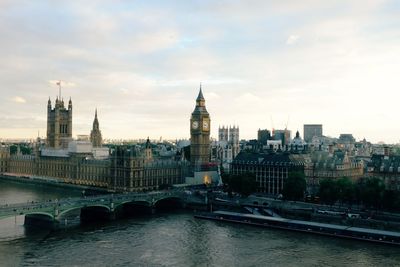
<point>87,163</point>
<point>271,169</point>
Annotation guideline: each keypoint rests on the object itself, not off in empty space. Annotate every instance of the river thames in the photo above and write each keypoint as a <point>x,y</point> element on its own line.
<point>171,239</point>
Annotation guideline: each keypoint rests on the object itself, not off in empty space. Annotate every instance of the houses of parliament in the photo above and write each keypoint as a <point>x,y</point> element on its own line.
<point>115,168</point>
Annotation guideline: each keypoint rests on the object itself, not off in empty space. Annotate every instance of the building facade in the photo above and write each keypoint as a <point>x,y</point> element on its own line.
<point>311,130</point>
<point>59,124</point>
<point>227,147</point>
<point>387,168</point>
<point>127,169</point>
<point>263,136</point>
<point>283,135</point>
<point>134,170</point>
<point>321,165</point>
<point>271,169</point>
<point>86,163</point>
<point>4,158</point>
<point>346,142</point>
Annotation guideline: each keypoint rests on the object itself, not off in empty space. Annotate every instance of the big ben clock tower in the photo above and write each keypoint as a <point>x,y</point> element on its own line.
<point>199,134</point>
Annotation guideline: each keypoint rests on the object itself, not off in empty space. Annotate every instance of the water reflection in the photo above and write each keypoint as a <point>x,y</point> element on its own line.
<point>175,239</point>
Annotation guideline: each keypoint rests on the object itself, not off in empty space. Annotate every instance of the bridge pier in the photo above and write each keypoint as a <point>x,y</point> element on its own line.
<point>40,221</point>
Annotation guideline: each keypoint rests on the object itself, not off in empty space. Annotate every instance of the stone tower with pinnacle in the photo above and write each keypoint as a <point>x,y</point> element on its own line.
<point>200,125</point>
<point>95,135</point>
<point>59,124</point>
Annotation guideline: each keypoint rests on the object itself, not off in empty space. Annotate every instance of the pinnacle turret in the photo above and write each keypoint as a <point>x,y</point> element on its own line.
<point>59,123</point>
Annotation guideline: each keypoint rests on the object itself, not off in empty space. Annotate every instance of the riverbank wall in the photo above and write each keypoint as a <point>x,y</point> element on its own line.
<point>51,182</point>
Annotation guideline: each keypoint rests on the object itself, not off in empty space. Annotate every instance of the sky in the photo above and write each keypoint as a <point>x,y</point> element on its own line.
<point>262,64</point>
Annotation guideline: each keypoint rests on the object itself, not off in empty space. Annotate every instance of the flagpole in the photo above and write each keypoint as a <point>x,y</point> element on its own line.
<point>59,89</point>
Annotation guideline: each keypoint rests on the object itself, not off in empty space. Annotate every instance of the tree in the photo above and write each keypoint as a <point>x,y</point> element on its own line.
<point>24,149</point>
<point>248,184</point>
<point>294,186</point>
<point>391,200</point>
<point>244,184</point>
<point>13,149</point>
<point>328,192</point>
<point>345,189</point>
<point>371,191</point>
<point>226,180</point>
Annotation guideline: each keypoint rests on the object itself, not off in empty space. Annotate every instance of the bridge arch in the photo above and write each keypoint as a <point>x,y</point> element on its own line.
<point>169,203</point>
<point>40,213</point>
<point>133,208</point>
<point>133,202</point>
<point>40,220</point>
<point>74,211</point>
<point>95,212</point>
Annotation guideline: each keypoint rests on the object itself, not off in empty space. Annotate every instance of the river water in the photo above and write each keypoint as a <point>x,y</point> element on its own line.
<point>171,239</point>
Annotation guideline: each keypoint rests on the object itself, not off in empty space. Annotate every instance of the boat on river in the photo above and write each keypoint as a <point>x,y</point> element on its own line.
<point>342,231</point>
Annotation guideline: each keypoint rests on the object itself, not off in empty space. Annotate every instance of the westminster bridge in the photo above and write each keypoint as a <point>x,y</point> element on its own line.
<point>64,212</point>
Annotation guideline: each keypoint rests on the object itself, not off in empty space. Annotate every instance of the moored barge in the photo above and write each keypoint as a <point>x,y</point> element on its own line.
<point>342,231</point>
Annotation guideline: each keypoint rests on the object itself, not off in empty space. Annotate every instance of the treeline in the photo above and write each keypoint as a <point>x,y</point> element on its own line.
<point>246,184</point>
<point>24,148</point>
<point>243,184</point>
<point>369,192</point>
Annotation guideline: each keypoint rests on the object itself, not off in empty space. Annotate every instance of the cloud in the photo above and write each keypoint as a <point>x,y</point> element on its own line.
<point>293,39</point>
<point>124,91</point>
<point>19,100</point>
<point>248,99</point>
<point>141,63</point>
<point>211,95</point>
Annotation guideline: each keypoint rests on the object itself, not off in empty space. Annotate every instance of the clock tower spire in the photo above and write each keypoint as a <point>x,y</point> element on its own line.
<point>200,134</point>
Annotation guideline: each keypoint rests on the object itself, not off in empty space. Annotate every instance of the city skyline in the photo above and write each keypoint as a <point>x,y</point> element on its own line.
<point>261,66</point>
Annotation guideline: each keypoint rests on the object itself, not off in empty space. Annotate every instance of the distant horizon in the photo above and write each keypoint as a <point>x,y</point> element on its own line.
<point>214,131</point>
<point>264,65</point>
<point>105,138</point>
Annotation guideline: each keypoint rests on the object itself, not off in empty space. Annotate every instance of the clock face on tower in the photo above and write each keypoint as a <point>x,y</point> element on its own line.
<point>195,124</point>
<point>205,125</point>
